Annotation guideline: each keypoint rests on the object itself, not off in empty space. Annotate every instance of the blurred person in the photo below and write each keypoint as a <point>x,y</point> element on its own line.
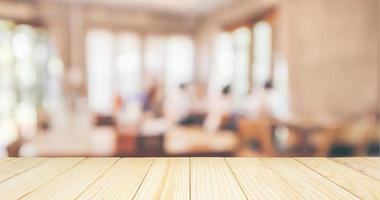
<point>197,111</point>
<point>117,103</point>
<point>178,105</point>
<point>130,111</point>
<point>153,99</point>
<point>43,119</point>
<point>267,103</point>
<point>198,98</point>
<point>220,110</point>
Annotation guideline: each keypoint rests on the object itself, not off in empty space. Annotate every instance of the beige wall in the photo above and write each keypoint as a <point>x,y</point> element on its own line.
<point>332,48</point>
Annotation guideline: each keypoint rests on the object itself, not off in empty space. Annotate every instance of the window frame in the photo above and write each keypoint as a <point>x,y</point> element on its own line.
<point>270,16</point>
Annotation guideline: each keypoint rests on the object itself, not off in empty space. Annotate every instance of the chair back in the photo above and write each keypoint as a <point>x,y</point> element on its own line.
<point>259,131</point>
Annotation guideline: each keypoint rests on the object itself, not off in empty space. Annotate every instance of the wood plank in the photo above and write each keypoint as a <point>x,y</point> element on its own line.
<point>168,178</point>
<point>17,166</point>
<point>362,165</point>
<point>119,182</point>
<point>194,178</point>
<point>375,159</point>
<point>5,159</point>
<point>352,180</point>
<point>305,181</point>
<point>258,181</point>
<point>211,178</point>
<point>73,181</point>
<point>24,183</point>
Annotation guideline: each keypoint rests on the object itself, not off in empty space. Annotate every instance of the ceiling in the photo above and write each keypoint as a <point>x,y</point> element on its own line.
<point>184,7</point>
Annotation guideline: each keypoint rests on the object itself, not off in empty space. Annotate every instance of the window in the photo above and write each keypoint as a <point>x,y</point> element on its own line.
<point>262,41</point>
<point>114,68</point>
<point>116,62</point>
<point>128,65</point>
<point>232,62</point>
<point>280,76</point>
<point>99,61</point>
<point>26,79</point>
<point>155,55</point>
<point>244,59</point>
<point>242,39</point>
<point>224,66</point>
<point>179,62</point>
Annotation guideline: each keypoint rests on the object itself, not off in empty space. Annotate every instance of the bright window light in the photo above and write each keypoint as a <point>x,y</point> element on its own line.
<point>99,65</point>
<point>242,37</point>
<point>179,62</point>
<point>224,67</point>
<point>262,53</point>
<point>128,65</point>
<point>155,54</point>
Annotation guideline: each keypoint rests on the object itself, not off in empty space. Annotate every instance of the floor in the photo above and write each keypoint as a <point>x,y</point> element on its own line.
<point>190,178</point>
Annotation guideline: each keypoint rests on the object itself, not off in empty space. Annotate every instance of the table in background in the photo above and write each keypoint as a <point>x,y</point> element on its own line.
<point>189,178</point>
<point>107,141</point>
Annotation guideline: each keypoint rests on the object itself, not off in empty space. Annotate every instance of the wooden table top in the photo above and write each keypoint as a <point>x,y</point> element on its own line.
<point>189,178</point>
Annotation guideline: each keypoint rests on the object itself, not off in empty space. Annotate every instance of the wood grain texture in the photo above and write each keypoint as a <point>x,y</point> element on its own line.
<point>189,178</point>
<point>259,181</point>
<point>362,165</point>
<point>73,181</point>
<point>361,185</point>
<point>5,159</point>
<point>375,159</point>
<point>168,178</point>
<point>211,178</point>
<point>305,181</point>
<point>119,182</point>
<point>17,166</point>
<point>22,184</point>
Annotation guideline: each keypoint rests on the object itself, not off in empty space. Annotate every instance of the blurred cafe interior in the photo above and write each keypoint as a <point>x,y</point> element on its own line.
<point>189,78</point>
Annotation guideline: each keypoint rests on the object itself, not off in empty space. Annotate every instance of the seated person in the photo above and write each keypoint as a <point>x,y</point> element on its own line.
<point>153,99</point>
<point>220,110</point>
<point>197,111</point>
<point>178,104</point>
<point>266,103</point>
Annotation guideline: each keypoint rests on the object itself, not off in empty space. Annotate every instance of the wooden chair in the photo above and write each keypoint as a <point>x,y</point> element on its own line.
<point>150,145</point>
<point>259,131</point>
<point>14,148</point>
<point>126,145</point>
<point>356,134</point>
<point>317,142</point>
<point>323,140</point>
<point>104,120</point>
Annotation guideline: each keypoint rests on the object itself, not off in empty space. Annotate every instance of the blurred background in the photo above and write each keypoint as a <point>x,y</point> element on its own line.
<point>189,78</point>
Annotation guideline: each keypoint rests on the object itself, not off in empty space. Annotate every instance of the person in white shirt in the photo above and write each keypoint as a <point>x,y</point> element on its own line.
<point>218,108</point>
<point>267,103</point>
<point>178,105</point>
